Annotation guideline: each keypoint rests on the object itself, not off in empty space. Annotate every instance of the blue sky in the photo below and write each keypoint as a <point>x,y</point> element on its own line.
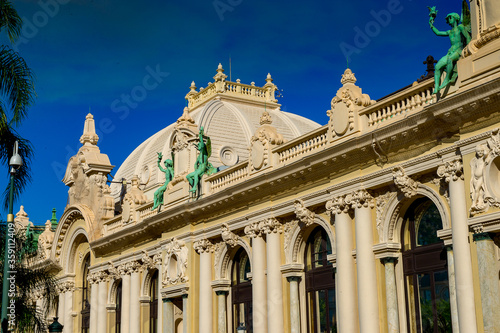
<point>90,54</point>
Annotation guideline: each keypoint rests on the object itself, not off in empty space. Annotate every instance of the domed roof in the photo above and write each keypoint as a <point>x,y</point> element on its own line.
<point>229,118</point>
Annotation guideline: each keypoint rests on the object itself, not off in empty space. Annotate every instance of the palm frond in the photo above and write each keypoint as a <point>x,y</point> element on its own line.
<point>16,83</point>
<point>7,138</point>
<point>10,20</point>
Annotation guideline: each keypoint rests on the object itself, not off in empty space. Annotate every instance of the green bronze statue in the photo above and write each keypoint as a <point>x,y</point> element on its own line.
<point>459,35</point>
<point>169,175</point>
<point>201,166</point>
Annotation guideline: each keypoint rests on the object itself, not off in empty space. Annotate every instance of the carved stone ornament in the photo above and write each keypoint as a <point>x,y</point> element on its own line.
<point>288,230</point>
<point>404,183</point>
<point>176,260</point>
<point>229,237</point>
<point>147,261</point>
<point>253,230</point>
<point>264,139</point>
<point>381,203</point>
<point>202,246</point>
<point>303,214</point>
<point>452,170</point>
<point>345,103</point>
<point>270,225</point>
<point>134,198</point>
<point>337,205</point>
<point>45,241</point>
<point>485,175</point>
<point>359,199</point>
<point>113,272</point>
<point>64,287</point>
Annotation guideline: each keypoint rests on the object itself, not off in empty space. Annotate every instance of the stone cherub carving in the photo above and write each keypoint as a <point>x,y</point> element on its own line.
<point>169,175</point>
<point>202,165</point>
<point>477,184</point>
<point>459,35</point>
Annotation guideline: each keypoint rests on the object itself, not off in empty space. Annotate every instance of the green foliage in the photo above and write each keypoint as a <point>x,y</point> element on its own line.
<point>17,94</point>
<point>29,277</point>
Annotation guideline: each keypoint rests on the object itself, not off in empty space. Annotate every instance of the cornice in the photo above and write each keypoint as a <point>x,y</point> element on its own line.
<point>323,164</point>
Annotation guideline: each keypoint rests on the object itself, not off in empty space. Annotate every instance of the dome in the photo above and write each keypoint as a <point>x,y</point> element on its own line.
<point>230,117</point>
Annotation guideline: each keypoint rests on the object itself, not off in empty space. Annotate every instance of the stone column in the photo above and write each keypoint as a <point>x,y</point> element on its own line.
<point>204,248</point>
<point>157,260</point>
<point>488,281</point>
<point>221,313</point>
<point>68,304</point>
<point>294,304</point>
<point>135,291</point>
<point>61,307</point>
<point>453,174</point>
<point>93,279</point>
<point>125,315</point>
<point>452,288</point>
<point>365,263</point>
<point>272,228</point>
<point>346,291</point>
<point>391,295</point>
<point>259,288</point>
<point>102,313</point>
<point>185,309</point>
<point>168,316</point>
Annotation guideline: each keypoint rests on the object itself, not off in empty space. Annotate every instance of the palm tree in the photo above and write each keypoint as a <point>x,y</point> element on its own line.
<point>31,277</point>
<point>17,94</point>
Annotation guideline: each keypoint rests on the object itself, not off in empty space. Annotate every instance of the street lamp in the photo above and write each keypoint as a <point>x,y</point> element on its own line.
<point>15,163</point>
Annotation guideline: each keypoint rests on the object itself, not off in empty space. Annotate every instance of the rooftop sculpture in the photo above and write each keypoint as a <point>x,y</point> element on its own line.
<point>169,175</point>
<point>459,37</point>
<point>201,166</point>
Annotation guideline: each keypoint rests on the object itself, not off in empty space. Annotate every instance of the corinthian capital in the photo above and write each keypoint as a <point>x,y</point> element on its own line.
<point>203,246</point>
<point>270,225</point>
<point>452,170</point>
<point>253,230</point>
<point>359,199</point>
<point>337,205</point>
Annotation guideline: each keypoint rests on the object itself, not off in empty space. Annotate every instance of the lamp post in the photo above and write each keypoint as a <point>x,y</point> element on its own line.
<point>15,163</point>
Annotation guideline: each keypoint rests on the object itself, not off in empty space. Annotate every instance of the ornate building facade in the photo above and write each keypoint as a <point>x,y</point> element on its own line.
<point>386,219</point>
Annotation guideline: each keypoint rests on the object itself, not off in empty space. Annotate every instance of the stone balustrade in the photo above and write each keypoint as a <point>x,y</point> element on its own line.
<point>397,105</point>
<point>306,144</point>
<point>228,177</point>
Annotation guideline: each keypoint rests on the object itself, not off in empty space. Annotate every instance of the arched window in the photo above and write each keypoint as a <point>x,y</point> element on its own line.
<point>241,291</point>
<point>118,310</point>
<point>85,296</point>
<point>425,270</point>
<point>320,284</point>
<point>153,304</point>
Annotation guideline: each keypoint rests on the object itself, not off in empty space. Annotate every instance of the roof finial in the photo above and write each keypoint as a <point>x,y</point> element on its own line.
<point>348,77</point>
<point>89,137</point>
<point>53,220</point>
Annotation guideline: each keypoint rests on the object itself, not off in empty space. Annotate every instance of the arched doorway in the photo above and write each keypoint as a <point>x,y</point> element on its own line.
<point>241,291</point>
<point>320,284</point>
<point>425,270</point>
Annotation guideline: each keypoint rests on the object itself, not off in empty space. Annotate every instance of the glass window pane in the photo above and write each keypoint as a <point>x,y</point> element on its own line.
<point>427,226</point>
<point>332,311</point>
<point>442,302</point>
<point>426,306</point>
